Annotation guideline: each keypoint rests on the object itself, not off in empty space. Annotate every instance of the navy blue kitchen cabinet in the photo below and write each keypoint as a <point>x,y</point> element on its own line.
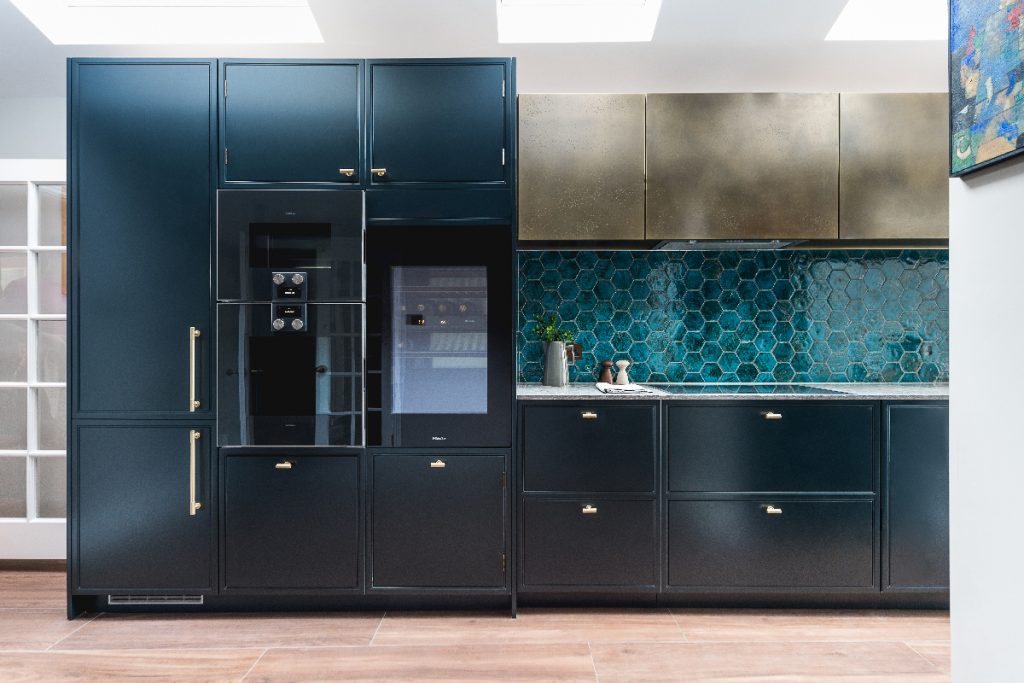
<point>143,517</point>
<point>142,183</point>
<point>291,122</point>
<point>439,121</point>
<point>916,485</point>
<point>588,513</point>
<point>438,522</point>
<point>771,542</point>
<point>290,520</point>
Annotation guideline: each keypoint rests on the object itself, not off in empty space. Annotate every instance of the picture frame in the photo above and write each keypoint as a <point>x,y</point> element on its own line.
<point>986,83</point>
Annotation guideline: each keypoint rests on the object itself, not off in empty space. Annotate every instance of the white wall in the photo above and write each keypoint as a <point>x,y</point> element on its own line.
<point>33,128</point>
<point>987,423</point>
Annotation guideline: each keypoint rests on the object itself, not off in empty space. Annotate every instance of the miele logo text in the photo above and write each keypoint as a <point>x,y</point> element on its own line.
<point>439,438</point>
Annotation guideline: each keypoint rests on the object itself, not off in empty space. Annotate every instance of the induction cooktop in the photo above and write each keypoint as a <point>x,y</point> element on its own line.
<point>755,389</point>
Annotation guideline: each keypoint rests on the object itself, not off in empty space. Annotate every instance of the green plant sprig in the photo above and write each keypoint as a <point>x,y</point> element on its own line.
<point>547,330</point>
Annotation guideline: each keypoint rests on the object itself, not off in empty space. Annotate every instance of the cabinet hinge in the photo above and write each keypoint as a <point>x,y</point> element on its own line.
<point>502,156</point>
<point>504,562</point>
<point>225,156</point>
<point>225,87</point>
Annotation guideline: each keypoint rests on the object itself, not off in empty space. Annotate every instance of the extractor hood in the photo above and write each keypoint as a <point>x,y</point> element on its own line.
<point>724,245</point>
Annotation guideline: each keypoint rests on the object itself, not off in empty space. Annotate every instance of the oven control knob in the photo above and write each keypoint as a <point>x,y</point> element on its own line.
<point>297,279</point>
<point>278,278</point>
<point>278,324</point>
<point>297,324</point>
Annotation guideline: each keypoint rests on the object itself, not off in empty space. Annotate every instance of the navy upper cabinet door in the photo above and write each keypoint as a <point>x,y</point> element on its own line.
<point>142,198</point>
<point>438,122</point>
<point>291,122</point>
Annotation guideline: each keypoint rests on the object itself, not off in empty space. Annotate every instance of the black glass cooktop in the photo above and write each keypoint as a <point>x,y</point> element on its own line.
<point>755,389</point>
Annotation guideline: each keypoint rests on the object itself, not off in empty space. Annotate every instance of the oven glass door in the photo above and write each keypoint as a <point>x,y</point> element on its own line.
<point>315,232</point>
<point>290,387</point>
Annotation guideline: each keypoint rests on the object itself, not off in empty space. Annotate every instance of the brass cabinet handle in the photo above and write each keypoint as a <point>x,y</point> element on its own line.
<point>193,403</point>
<point>588,415</point>
<point>347,172</point>
<point>772,510</point>
<point>193,504</point>
<point>439,464</point>
<point>379,172</point>
<point>283,465</point>
<point>772,416</point>
<point>589,510</point>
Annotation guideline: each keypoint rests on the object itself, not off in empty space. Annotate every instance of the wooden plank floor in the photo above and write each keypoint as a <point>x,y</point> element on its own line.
<point>37,643</point>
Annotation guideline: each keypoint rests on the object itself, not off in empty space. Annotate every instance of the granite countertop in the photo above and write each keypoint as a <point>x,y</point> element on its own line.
<point>784,392</point>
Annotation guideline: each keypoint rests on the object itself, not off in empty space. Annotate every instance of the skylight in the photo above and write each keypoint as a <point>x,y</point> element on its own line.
<point>172,22</point>
<point>888,20</point>
<point>577,21</point>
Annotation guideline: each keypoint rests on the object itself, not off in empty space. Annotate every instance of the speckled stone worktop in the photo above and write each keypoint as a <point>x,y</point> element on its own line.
<point>788,392</point>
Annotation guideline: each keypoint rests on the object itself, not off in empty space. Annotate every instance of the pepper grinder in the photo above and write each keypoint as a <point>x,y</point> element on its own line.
<point>606,372</point>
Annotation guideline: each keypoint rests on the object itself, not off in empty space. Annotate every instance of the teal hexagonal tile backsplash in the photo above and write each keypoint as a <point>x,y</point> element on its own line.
<point>764,316</point>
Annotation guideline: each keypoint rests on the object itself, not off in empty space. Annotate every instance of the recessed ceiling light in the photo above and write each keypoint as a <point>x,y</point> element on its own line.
<point>172,22</point>
<point>577,21</point>
<point>889,20</point>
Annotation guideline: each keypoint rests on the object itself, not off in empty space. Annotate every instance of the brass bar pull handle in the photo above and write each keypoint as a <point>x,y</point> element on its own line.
<point>347,172</point>
<point>283,465</point>
<point>193,504</point>
<point>193,403</point>
<point>379,172</point>
<point>588,415</point>
<point>438,464</point>
<point>772,510</point>
<point>772,416</point>
<point>589,509</point>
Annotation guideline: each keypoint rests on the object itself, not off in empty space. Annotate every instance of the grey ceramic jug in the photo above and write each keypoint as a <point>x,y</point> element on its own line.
<point>556,366</point>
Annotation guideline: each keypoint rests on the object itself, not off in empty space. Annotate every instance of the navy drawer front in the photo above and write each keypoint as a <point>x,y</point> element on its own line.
<point>742,544</point>
<point>769,446</point>
<point>589,542</point>
<point>589,448</point>
<point>291,522</point>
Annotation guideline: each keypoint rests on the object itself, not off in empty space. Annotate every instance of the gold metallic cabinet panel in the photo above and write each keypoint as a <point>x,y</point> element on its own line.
<point>581,167</point>
<point>893,174</point>
<point>742,166</point>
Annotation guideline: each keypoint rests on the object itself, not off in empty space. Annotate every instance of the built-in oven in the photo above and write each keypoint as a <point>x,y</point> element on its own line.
<point>317,234</point>
<point>290,318</point>
<point>440,342</point>
<point>290,374</point>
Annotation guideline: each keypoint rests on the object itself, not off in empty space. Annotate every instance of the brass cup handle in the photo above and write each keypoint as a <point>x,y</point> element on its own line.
<point>438,464</point>
<point>283,465</point>
<point>588,415</point>
<point>772,510</point>
<point>193,504</point>
<point>193,403</point>
<point>772,416</point>
<point>589,510</point>
<point>379,172</point>
<point>347,172</point>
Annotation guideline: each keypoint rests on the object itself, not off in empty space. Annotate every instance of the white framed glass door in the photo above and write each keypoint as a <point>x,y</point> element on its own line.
<point>33,366</point>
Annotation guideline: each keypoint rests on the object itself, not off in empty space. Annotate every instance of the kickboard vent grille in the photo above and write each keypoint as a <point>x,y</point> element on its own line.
<point>154,599</point>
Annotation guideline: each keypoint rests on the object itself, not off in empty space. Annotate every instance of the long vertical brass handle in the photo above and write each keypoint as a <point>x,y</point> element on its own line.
<point>193,403</point>
<point>193,504</point>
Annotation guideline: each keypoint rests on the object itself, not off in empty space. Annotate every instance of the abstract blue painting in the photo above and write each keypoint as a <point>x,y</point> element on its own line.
<point>986,82</point>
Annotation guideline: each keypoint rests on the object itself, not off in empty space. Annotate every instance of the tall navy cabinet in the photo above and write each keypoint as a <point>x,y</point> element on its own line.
<point>142,179</point>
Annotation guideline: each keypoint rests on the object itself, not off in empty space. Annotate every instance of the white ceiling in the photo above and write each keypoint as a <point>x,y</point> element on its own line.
<point>699,45</point>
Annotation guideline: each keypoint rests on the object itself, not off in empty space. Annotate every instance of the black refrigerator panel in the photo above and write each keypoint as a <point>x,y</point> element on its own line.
<point>440,343</point>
